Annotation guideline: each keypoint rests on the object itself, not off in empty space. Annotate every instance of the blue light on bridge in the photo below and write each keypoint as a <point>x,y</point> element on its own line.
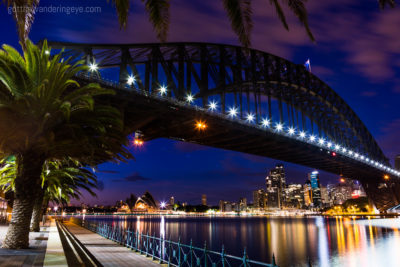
<point>131,80</point>
<point>162,90</point>
<point>265,122</point>
<point>233,112</point>
<point>250,117</point>
<point>189,98</point>
<point>212,106</point>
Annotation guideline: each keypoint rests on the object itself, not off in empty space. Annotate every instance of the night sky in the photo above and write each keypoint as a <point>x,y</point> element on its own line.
<point>357,53</point>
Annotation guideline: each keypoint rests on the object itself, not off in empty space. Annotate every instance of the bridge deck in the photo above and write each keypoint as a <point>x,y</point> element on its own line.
<point>107,252</point>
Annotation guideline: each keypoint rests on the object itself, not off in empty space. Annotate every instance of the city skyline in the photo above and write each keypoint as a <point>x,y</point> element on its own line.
<point>362,78</point>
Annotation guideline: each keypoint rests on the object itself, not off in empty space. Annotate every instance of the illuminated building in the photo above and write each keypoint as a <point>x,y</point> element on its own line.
<point>146,203</point>
<point>315,188</point>
<point>204,200</point>
<point>275,187</point>
<point>307,194</point>
<point>344,190</point>
<point>225,206</point>
<point>259,199</point>
<point>243,204</point>
<point>294,196</point>
<point>325,199</point>
<point>172,201</point>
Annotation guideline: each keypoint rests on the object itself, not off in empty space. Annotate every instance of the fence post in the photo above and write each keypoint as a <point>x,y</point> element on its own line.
<point>244,257</point>
<point>223,256</point>
<point>137,240</point>
<point>147,244</point>
<point>191,253</point>
<point>161,251</point>
<point>169,251</point>
<point>179,251</point>
<point>205,253</point>
<point>273,260</point>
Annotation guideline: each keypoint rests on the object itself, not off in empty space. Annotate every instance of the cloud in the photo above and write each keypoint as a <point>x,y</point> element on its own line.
<point>107,171</point>
<point>369,93</point>
<point>132,178</point>
<point>389,139</point>
<point>100,185</point>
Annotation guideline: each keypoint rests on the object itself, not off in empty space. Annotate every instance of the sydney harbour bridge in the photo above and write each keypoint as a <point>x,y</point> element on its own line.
<point>238,99</point>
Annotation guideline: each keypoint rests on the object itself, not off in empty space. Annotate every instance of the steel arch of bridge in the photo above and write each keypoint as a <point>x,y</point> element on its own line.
<point>253,81</point>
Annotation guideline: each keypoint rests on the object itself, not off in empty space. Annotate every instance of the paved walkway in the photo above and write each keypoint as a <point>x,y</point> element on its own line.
<point>55,255</point>
<point>107,252</point>
<point>34,256</point>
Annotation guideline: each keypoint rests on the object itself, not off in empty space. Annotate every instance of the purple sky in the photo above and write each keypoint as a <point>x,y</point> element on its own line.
<point>357,53</point>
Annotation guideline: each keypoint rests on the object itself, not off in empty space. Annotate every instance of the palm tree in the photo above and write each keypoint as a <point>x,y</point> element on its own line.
<point>46,115</point>
<point>61,181</point>
<point>239,13</point>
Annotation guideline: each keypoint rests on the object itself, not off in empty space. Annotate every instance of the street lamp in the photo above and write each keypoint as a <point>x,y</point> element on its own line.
<point>201,125</point>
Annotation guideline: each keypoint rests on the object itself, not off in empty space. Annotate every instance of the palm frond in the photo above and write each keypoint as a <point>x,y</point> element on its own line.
<point>24,15</point>
<point>298,8</point>
<point>384,3</point>
<point>158,11</point>
<point>122,8</point>
<point>240,15</point>
<point>280,13</point>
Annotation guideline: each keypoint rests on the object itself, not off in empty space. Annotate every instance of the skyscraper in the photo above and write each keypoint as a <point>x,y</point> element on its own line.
<point>315,188</point>
<point>275,185</point>
<point>204,200</point>
<point>259,199</point>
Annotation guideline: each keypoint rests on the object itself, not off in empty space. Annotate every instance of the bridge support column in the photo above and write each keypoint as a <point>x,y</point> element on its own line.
<point>383,194</point>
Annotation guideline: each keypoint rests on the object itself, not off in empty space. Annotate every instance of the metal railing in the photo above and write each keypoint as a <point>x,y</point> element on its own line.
<point>170,252</point>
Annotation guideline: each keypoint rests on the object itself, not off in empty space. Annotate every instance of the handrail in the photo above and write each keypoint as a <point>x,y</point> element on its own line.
<point>170,252</point>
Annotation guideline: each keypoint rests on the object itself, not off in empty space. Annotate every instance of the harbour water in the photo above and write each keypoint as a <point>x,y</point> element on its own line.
<point>295,241</point>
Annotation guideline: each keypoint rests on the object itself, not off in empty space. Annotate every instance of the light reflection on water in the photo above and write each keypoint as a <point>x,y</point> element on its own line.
<point>294,241</point>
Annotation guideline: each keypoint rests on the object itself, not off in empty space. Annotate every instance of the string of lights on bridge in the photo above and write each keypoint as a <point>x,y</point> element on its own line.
<point>279,128</point>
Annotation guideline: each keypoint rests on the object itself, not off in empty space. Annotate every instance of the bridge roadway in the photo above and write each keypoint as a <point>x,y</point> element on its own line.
<point>107,252</point>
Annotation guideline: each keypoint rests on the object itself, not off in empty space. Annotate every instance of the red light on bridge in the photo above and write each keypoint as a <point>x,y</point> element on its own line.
<point>334,154</point>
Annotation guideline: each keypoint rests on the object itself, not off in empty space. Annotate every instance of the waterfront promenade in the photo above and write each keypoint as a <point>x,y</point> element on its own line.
<point>107,252</point>
<point>45,249</point>
<point>48,248</point>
